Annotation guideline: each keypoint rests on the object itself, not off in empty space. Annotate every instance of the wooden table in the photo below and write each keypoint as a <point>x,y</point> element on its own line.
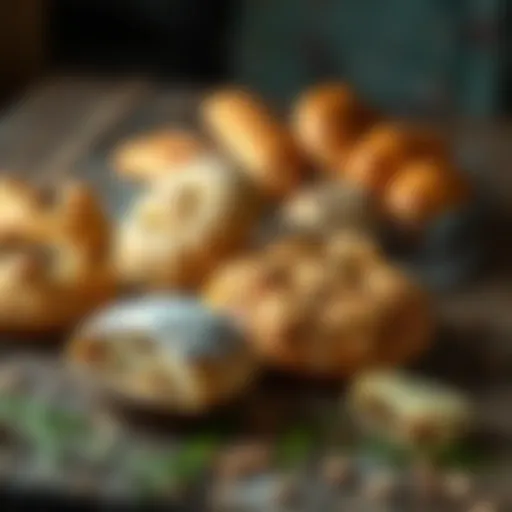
<point>66,125</point>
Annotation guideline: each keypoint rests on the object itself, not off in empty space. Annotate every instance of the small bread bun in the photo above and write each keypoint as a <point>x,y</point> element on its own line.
<point>378,156</point>
<point>422,190</point>
<point>246,130</point>
<point>155,154</point>
<point>327,120</point>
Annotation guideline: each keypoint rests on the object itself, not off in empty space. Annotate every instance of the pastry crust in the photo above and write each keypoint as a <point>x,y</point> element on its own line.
<point>243,126</point>
<point>380,154</point>
<point>179,230</point>
<point>421,191</point>
<point>327,120</point>
<point>165,351</point>
<point>325,307</point>
<point>155,154</point>
<point>53,257</point>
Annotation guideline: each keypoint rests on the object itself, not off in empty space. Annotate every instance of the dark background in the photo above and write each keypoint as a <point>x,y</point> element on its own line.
<point>257,42</point>
<point>424,57</point>
<point>171,39</point>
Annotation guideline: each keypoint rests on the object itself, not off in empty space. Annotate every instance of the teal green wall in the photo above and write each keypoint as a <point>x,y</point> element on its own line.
<point>406,56</point>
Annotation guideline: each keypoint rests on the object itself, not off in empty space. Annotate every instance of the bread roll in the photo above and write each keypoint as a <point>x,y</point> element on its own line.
<point>54,252</point>
<point>248,132</point>
<point>327,120</point>
<point>422,190</point>
<point>168,352</point>
<point>378,156</point>
<point>155,154</point>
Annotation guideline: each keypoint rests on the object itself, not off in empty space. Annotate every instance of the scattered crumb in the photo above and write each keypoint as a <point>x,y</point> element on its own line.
<point>337,470</point>
<point>380,486</point>
<point>243,460</point>
<point>268,492</point>
<point>425,479</point>
<point>457,486</point>
<point>287,492</point>
<point>484,506</point>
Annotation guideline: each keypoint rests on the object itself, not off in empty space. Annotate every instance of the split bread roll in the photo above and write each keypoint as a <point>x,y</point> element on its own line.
<point>242,126</point>
<point>163,351</point>
<point>179,229</point>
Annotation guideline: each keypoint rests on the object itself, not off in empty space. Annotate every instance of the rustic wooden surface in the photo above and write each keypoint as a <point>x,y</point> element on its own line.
<point>67,125</point>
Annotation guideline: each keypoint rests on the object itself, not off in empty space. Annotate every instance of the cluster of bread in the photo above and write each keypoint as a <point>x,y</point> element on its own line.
<point>319,298</point>
<point>406,169</point>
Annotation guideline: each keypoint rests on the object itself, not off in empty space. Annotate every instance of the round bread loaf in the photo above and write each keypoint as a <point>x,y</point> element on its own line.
<point>325,306</point>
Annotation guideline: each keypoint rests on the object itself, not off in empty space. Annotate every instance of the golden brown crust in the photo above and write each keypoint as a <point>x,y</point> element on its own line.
<point>247,131</point>
<point>327,120</point>
<point>378,156</point>
<point>422,190</point>
<point>328,309</point>
<point>155,154</point>
<point>53,258</point>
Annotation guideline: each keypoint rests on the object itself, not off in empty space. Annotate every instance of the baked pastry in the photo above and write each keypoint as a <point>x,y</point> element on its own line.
<point>151,155</point>
<point>180,229</point>
<point>247,131</point>
<point>327,120</point>
<point>19,204</point>
<point>408,409</point>
<point>329,207</point>
<point>378,156</point>
<point>53,257</point>
<point>422,190</point>
<point>324,306</point>
<point>164,351</point>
